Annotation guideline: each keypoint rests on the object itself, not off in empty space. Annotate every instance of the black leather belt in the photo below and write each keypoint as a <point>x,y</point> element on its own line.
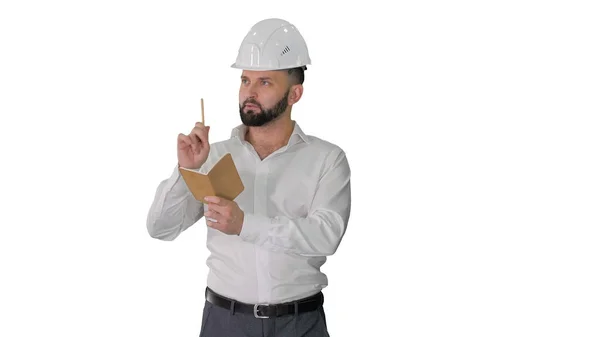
<point>266,310</point>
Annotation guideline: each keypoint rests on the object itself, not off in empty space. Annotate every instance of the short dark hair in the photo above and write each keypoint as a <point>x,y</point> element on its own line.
<point>296,75</point>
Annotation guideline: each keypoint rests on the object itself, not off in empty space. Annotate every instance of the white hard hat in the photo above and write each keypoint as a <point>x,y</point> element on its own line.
<point>272,44</point>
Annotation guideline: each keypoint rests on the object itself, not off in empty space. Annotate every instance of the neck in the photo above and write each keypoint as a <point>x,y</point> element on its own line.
<point>269,138</point>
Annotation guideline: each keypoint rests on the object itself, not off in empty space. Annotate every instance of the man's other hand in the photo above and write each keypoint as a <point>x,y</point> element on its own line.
<point>227,215</point>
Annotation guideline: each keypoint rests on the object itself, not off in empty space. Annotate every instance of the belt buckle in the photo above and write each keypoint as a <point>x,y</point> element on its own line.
<point>256,311</point>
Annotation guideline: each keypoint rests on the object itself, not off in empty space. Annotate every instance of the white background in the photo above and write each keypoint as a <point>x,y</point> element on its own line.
<point>471,128</point>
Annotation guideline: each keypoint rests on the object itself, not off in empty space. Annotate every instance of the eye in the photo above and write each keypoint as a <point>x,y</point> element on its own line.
<point>265,83</point>
<point>244,81</point>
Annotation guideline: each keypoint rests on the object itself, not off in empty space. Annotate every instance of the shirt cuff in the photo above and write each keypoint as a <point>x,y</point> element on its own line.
<point>253,225</point>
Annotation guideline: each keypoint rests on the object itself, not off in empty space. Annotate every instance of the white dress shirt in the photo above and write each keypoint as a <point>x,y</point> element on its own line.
<point>296,205</point>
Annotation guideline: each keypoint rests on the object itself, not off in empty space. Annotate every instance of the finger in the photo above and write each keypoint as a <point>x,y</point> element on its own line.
<point>219,218</point>
<point>212,215</point>
<point>183,141</point>
<point>214,200</point>
<point>223,206</point>
<point>196,148</point>
<point>201,126</point>
<point>197,135</point>
<point>223,210</point>
<point>193,137</point>
<point>208,213</point>
<point>202,134</point>
<point>218,226</point>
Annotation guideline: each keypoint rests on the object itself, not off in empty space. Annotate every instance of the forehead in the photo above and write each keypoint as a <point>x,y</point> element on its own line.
<point>272,74</point>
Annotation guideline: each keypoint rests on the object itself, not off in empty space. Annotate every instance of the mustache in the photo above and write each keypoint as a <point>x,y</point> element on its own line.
<point>252,101</point>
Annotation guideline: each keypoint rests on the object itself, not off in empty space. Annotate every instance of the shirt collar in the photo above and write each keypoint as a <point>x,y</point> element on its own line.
<point>298,135</point>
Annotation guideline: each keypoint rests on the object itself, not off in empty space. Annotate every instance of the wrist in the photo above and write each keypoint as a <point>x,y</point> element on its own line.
<point>189,167</point>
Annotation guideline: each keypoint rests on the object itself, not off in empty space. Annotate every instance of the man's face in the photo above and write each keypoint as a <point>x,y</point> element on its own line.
<point>263,96</point>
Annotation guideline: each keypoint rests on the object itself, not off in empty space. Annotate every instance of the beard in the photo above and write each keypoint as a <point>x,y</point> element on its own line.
<point>263,117</point>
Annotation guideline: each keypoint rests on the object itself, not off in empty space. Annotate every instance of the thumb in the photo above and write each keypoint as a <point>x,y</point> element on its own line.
<point>207,128</point>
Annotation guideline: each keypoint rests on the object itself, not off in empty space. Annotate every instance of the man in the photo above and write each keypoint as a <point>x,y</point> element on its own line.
<point>266,246</point>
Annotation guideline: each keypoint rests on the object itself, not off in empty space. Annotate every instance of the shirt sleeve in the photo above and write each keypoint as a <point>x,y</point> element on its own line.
<point>318,234</point>
<point>174,209</point>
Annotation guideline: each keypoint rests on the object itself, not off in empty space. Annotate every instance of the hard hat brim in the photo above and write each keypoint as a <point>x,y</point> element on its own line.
<point>236,66</point>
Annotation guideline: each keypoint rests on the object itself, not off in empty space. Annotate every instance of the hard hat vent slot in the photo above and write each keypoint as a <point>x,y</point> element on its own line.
<point>285,50</point>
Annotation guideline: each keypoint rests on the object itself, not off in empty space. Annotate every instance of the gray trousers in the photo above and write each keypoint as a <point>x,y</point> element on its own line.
<point>220,322</point>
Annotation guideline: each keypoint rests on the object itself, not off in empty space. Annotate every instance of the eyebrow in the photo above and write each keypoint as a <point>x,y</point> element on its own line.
<point>260,78</point>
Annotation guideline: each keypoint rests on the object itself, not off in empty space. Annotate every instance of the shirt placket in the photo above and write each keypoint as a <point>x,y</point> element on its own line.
<point>260,207</point>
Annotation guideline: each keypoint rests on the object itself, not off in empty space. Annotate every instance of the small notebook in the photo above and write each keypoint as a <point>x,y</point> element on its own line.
<point>223,180</point>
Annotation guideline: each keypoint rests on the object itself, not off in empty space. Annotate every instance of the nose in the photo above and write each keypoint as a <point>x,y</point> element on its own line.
<point>249,92</point>
<point>249,98</point>
<point>252,92</point>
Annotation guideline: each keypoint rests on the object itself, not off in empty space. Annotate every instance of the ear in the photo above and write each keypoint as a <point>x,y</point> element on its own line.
<point>295,94</point>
